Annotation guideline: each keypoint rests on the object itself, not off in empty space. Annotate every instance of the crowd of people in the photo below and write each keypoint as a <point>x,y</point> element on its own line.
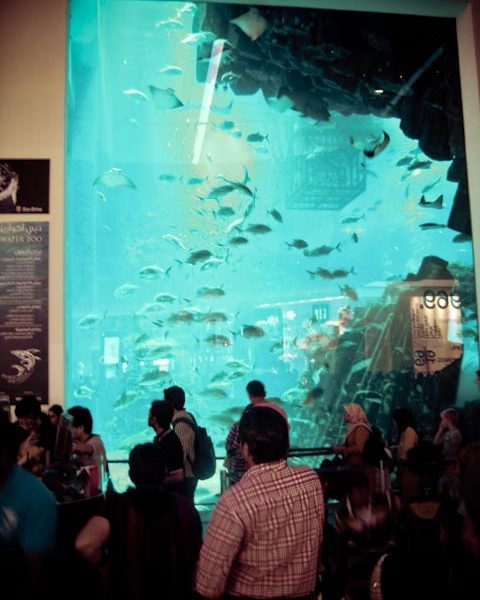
<point>352,528</point>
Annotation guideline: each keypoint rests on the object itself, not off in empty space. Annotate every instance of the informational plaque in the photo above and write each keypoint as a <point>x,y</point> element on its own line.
<point>436,322</point>
<point>24,310</point>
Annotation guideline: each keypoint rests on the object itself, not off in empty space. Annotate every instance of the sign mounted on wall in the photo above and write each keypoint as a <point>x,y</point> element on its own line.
<point>24,185</point>
<point>24,310</point>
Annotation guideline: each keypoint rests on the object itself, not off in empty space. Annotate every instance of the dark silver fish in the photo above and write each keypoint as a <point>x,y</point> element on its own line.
<point>276,215</point>
<point>349,292</point>
<point>164,98</point>
<point>167,177</point>
<point>403,162</point>
<point>196,180</point>
<point>214,317</point>
<point>182,316</point>
<point>257,138</point>
<point>218,340</point>
<point>460,238</point>
<point>338,273</point>
<point>238,241</point>
<point>258,229</point>
<point>322,250</point>
<point>210,292</point>
<point>154,377</point>
<point>225,126</point>
<point>427,226</point>
<point>298,244</point>
<point>420,164</point>
<point>198,256</point>
<point>323,273</point>
<point>352,219</point>
<point>355,237</point>
<point>429,187</point>
<point>219,192</point>
<point>225,211</point>
<point>438,203</point>
<point>252,331</point>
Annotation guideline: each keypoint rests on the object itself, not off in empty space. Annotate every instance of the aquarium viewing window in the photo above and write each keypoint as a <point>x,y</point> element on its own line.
<point>265,193</point>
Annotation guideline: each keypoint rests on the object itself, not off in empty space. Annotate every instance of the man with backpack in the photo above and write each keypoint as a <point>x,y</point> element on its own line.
<point>185,427</point>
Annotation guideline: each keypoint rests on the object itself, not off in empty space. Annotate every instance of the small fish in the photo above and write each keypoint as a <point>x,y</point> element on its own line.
<point>238,364</point>
<point>164,298</point>
<point>460,238</point>
<point>114,178</point>
<point>258,229</point>
<point>152,349</point>
<point>298,244</point>
<point>101,196</point>
<point>238,241</point>
<point>352,219</point>
<point>379,147</point>
<point>321,250</point>
<point>171,70</point>
<point>403,162</point>
<point>197,180</point>
<point>349,292</point>
<point>83,391</point>
<point>182,316</point>
<point>420,164</point>
<point>427,226</point>
<point>213,392</point>
<point>167,177</point>
<point>214,317</point>
<point>256,138</point>
<point>225,126</point>
<point>127,289</point>
<point>236,133</point>
<point>212,262</point>
<point>198,256</point>
<point>164,98</point>
<point>89,321</point>
<point>234,224</point>
<point>153,377</point>
<point>135,95</point>
<point>276,215</point>
<point>225,211</point>
<point>323,273</point>
<point>153,272</point>
<point>219,192</point>
<point>252,331</point>
<point>170,24</point>
<point>210,292</point>
<point>175,239</point>
<point>355,238</point>
<point>125,398</point>
<point>218,340</point>
<point>201,37</point>
<point>338,273</point>
<point>438,203</point>
<point>430,186</point>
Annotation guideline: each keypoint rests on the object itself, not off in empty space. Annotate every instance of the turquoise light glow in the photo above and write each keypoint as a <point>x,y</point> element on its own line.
<point>215,240</point>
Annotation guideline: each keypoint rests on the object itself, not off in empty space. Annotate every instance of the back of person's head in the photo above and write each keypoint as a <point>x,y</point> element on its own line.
<point>256,389</point>
<point>176,396</point>
<point>147,465</point>
<point>56,409</point>
<point>162,411</point>
<point>451,415</point>
<point>404,418</point>
<point>11,437</point>
<point>266,433</point>
<point>28,406</point>
<point>81,416</point>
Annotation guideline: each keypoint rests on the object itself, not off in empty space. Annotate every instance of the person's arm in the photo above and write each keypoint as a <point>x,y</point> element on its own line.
<point>222,544</point>
<point>360,436</point>
<point>91,539</point>
<point>437,440</point>
<point>173,477</point>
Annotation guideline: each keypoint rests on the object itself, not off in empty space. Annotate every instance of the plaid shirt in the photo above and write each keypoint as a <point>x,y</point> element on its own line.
<point>265,535</point>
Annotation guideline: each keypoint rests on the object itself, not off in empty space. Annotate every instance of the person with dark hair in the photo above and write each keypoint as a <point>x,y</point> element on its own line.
<point>409,483</point>
<point>257,395</point>
<point>28,518</point>
<point>160,419</point>
<point>264,537</point>
<point>87,446</point>
<point>183,424</point>
<point>153,535</point>
<point>54,412</point>
<point>38,447</point>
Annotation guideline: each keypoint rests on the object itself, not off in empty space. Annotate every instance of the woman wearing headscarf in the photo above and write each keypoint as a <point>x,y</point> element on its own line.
<point>358,431</point>
<point>409,483</point>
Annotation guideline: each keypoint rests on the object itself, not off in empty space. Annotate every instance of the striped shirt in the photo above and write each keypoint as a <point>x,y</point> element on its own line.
<point>265,535</point>
<point>186,435</point>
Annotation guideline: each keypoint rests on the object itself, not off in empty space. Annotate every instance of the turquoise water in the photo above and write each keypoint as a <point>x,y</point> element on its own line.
<point>212,241</point>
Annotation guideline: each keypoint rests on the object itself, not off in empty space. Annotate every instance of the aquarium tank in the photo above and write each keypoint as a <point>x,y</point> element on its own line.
<point>265,193</point>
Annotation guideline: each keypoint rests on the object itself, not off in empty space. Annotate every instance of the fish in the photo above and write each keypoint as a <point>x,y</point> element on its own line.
<point>135,95</point>
<point>175,239</point>
<point>170,24</point>
<point>182,316</point>
<point>125,398</point>
<point>210,292</point>
<point>252,23</point>
<point>219,192</point>
<point>238,364</point>
<point>338,273</point>
<point>258,229</point>
<point>225,211</point>
<point>214,317</point>
<point>234,224</point>
<point>213,392</point>
<point>201,37</point>
<point>114,178</point>
<point>276,215</point>
<point>212,262</point>
<point>352,219</point>
<point>83,391</point>
<point>252,331</point>
<point>438,203</point>
<point>403,162</point>
<point>127,289</point>
<point>256,138</point>
<point>373,146</point>
<point>229,76</point>
<point>236,133</point>
<point>197,180</point>
<point>240,186</point>
<point>218,340</point>
<point>153,348</point>
<point>225,126</point>
<point>164,98</point>
<point>167,177</point>
<point>420,164</point>
<point>349,292</point>
<point>460,238</point>
<point>88,321</point>
<point>427,226</point>
<point>101,196</point>
<point>321,250</point>
<point>171,70</point>
<point>238,241</point>
<point>153,272</point>
<point>153,377</point>
<point>165,298</point>
<point>355,237</point>
<point>298,244</point>
<point>198,256</point>
<point>323,273</point>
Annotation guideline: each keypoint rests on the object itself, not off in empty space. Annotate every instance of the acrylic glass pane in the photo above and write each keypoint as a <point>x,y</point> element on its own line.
<point>275,194</point>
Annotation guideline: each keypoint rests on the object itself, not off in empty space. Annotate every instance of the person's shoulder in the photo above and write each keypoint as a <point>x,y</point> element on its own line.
<point>30,486</point>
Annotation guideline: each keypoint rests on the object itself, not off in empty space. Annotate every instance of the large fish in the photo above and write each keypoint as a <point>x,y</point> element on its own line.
<point>252,331</point>
<point>252,23</point>
<point>218,340</point>
<point>438,203</point>
<point>198,256</point>
<point>322,250</point>
<point>164,98</point>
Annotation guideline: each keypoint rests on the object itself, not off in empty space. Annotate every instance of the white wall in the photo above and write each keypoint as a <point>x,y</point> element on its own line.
<point>32,84</point>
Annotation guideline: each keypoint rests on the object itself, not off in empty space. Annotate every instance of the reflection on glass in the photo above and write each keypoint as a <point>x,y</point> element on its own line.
<point>248,199</point>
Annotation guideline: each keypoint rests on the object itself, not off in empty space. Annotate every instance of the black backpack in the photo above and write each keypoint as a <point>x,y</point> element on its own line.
<point>374,449</point>
<point>205,463</point>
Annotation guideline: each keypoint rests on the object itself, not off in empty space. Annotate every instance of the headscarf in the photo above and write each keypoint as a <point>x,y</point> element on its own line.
<point>357,418</point>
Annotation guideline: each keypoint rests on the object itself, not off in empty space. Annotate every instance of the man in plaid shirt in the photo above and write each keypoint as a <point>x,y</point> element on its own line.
<point>264,538</point>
